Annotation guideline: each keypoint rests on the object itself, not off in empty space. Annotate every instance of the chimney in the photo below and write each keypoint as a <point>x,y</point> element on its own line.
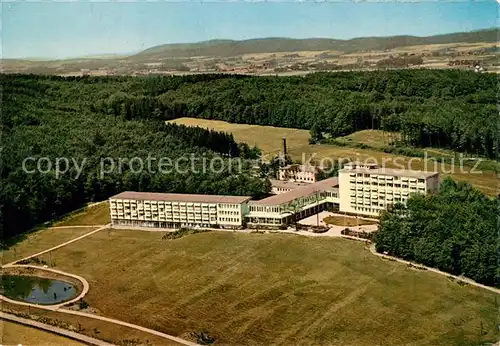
<point>284,146</point>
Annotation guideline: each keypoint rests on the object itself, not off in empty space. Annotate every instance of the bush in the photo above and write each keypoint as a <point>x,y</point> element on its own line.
<point>320,229</point>
<point>82,304</point>
<point>181,232</point>
<point>357,234</point>
<point>203,338</point>
<point>33,260</point>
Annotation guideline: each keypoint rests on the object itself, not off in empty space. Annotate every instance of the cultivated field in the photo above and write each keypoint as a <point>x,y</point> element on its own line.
<point>269,139</point>
<point>264,63</point>
<point>262,289</point>
<point>17,334</point>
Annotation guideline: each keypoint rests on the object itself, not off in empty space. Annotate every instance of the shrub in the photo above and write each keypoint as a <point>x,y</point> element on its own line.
<point>358,234</point>
<point>181,232</point>
<point>82,304</point>
<point>33,260</point>
<point>203,338</point>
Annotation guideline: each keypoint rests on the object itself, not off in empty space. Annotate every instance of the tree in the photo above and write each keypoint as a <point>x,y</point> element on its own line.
<point>315,135</point>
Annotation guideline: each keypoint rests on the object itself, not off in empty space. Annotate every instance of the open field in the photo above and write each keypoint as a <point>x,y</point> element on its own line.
<point>274,289</point>
<point>94,215</point>
<point>373,138</point>
<point>36,241</point>
<point>261,57</point>
<point>381,139</point>
<point>17,334</point>
<point>269,139</point>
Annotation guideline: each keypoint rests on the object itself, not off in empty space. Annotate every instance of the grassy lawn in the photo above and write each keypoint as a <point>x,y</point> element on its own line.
<point>110,332</point>
<point>269,139</point>
<point>36,241</point>
<point>94,215</point>
<point>17,334</point>
<point>347,221</point>
<point>261,289</point>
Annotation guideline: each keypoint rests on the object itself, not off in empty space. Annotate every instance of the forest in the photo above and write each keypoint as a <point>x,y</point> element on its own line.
<point>454,231</point>
<point>430,108</point>
<point>52,117</point>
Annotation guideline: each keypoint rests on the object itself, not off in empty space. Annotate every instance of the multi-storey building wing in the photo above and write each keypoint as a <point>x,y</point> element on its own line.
<point>303,201</point>
<point>367,189</point>
<point>362,189</point>
<point>299,173</point>
<point>172,210</point>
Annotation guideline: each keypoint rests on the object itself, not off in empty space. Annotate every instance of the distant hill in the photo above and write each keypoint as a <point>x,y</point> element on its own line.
<point>224,48</point>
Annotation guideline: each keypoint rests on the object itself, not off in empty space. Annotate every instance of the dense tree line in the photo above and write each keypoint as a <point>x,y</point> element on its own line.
<point>455,231</point>
<point>442,108</point>
<point>50,117</point>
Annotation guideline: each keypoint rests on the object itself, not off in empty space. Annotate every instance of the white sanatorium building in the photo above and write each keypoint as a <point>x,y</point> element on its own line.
<point>359,189</point>
<point>173,210</point>
<point>367,189</point>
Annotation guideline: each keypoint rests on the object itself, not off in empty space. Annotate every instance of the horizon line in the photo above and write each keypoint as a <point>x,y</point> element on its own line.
<point>104,56</point>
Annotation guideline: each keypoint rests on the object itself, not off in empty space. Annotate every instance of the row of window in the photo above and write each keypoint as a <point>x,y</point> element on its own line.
<point>229,219</point>
<point>282,189</point>
<point>168,212</point>
<point>260,208</point>
<point>376,192</point>
<point>229,212</point>
<point>152,217</point>
<point>365,175</point>
<point>367,202</point>
<point>368,210</point>
<point>228,206</point>
<point>161,203</point>
<point>176,215</point>
<point>405,186</point>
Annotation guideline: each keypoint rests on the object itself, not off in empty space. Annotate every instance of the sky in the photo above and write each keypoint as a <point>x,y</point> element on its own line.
<point>76,29</point>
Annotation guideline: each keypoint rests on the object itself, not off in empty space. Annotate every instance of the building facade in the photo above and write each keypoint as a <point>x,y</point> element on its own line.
<point>167,210</point>
<point>282,209</point>
<point>299,173</point>
<point>367,189</point>
<point>279,186</point>
<point>359,189</point>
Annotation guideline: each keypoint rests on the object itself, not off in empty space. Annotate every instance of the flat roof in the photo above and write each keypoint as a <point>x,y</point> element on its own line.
<point>180,197</point>
<point>302,191</point>
<point>392,172</point>
<point>287,184</point>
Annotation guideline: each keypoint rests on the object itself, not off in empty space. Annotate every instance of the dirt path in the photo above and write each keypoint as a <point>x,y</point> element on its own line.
<point>57,246</point>
<point>69,334</point>
<point>434,270</point>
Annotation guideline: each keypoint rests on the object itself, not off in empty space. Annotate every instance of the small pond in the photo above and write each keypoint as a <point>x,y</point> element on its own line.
<point>36,290</point>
